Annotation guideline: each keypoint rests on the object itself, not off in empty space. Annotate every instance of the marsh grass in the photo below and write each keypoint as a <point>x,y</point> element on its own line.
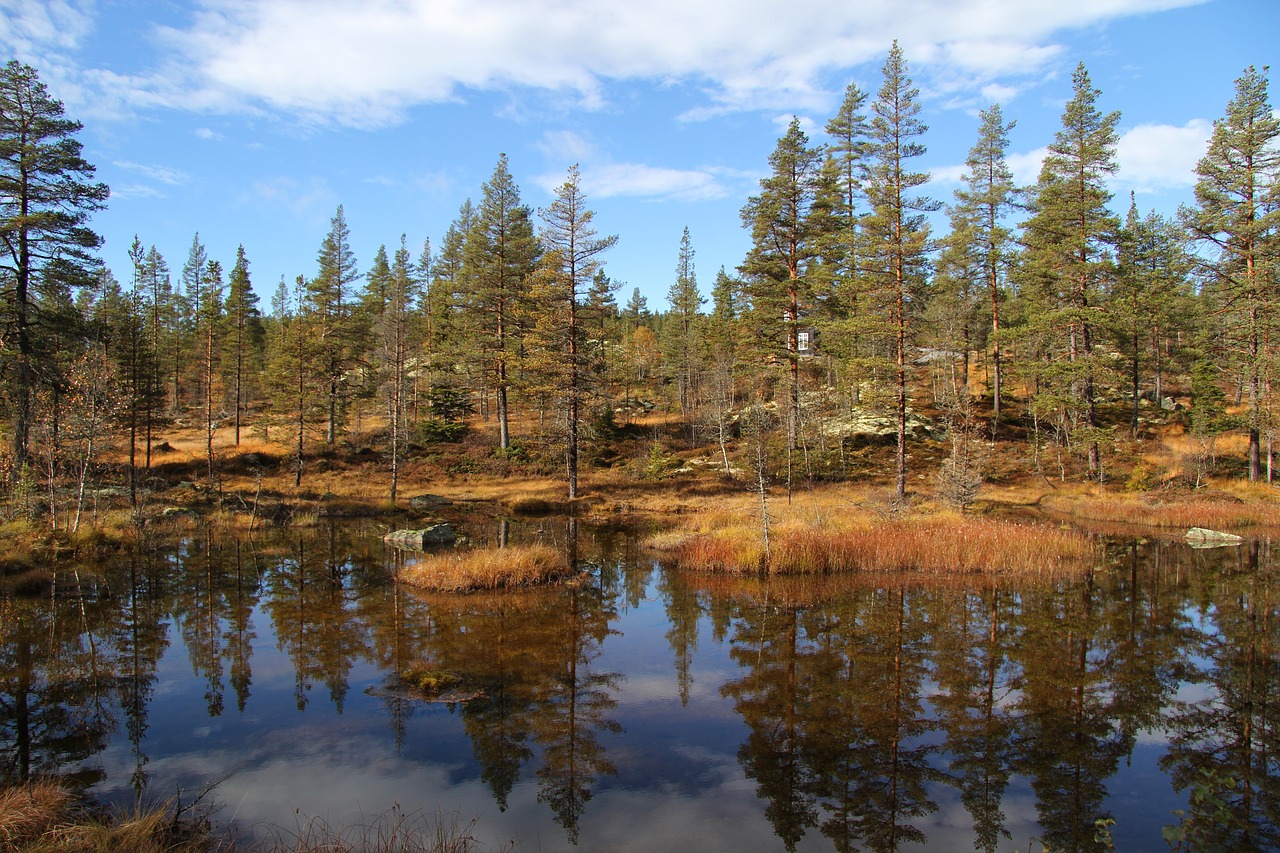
<point>1215,511</point>
<point>486,568</point>
<point>930,545</point>
<point>394,831</point>
<point>44,817</point>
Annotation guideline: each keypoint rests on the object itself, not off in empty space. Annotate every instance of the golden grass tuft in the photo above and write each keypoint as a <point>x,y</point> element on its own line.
<point>487,568</point>
<point>44,817</point>
<point>933,545</point>
<point>30,812</point>
<point>729,550</point>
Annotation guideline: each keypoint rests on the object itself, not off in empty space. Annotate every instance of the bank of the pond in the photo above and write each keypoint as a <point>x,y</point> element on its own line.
<point>45,816</point>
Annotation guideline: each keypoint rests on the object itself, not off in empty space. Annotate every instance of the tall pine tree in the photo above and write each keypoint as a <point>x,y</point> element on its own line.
<point>898,232</point>
<point>46,199</point>
<point>1236,217</point>
<point>573,249</point>
<point>1069,241</point>
<point>500,255</point>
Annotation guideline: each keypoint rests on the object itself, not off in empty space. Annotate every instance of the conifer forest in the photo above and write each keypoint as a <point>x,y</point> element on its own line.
<point>1053,319</point>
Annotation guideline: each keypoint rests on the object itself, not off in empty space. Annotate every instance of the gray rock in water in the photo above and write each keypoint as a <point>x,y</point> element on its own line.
<point>419,540</point>
<point>1203,537</point>
<point>423,503</point>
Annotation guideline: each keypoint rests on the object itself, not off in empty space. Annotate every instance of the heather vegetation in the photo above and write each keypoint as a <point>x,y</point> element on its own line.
<point>1041,348</point>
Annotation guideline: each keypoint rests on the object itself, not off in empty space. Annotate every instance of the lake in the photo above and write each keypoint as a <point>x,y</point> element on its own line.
<point>642,708</point>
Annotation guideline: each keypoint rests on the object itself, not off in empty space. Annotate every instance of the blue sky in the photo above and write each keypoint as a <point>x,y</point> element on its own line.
<point>250,122</point>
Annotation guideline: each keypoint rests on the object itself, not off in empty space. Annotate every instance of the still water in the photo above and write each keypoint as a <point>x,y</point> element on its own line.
<point>645,709</point>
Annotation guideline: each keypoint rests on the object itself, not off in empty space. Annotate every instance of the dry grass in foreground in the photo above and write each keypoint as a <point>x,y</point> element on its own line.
<point>487,568</point>
<point>392,832</point>
<point>44,817</point>
<point>947,545</point>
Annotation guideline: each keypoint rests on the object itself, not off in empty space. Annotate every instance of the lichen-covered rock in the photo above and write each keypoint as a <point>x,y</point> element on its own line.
<point>419,540</point>
<point>863,429</point>
<point>1203,537</point>
<point>425,503</point>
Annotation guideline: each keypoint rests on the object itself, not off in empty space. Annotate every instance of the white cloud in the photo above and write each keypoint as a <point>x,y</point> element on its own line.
<point>807,125</point>
<point>207,133</point>
<point>123,192</point>
<point>310,199</point>
<point>998,93</point>
<point>637,179</point>
<point>565,146</point>
<point>163,174</point>
<point>366,63</point>
<point>601,177</point>
<point>1026,166</point>
<point>28,28</point>
<point>1156,157</point>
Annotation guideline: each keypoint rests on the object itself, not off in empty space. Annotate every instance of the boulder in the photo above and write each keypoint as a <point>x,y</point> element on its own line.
<point>865,429</point>
<point>1203,537</point>
<point>426,503</point>
<point>420,540</point>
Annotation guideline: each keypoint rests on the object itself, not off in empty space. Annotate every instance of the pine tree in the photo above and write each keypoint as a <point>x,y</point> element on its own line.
<point>446,297</point>
<point>245,337</point>
<point>397,339</point>
<point>1069,241</point>
<point>209,323</point>
<point>500,254</point>
<point>784,244</point>
<point>139,367</point>
<point>681,350</point>
<point>637,308</point>
<point>1236,217</point>
<point>979,226</point>
<point>898,233</point>
<point>1150,297</point>
<point>328,303</point>
<point>46,199</point>
<point>189,352</point>
<point>573,249</point>
<point>844,177</point>
<point>721,331</point>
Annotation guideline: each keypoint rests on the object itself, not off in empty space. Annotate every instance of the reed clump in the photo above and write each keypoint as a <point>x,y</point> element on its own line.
<point>921,545</point>
<point>45,817</point>
<point>487,568</point>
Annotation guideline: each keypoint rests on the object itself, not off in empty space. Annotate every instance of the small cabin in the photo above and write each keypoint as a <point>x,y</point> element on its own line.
<point>807,341</point>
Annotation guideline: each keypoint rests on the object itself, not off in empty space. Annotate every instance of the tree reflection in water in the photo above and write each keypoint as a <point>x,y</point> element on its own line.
<point>866,704</point>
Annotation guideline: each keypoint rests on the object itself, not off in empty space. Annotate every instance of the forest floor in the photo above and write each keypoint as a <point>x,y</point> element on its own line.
<point>648,472</point>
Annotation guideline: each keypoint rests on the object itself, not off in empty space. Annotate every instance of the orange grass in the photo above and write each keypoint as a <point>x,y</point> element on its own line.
<point>930,545</point>
<point>1193,512</point>
<point>487,568</point>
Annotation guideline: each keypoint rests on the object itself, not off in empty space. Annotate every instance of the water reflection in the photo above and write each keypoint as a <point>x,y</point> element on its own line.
<point>862,712</point>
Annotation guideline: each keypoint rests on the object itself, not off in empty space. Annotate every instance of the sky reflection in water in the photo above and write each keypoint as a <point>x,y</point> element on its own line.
<point>645,709</point>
